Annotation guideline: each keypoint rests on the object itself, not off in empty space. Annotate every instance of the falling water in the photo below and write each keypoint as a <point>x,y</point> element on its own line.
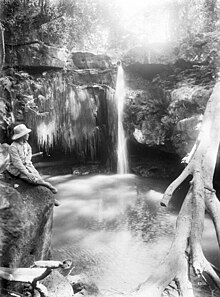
<point>122,165</point>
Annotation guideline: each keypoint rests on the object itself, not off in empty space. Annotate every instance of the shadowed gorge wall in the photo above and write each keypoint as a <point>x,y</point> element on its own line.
<point>69,105</point>
<point>72,110</point>
<point>69,111</point>
<point>75,118</point>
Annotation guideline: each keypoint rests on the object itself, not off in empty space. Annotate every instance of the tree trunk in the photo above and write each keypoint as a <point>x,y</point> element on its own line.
<point>186,250</point>
<point>2,47</point>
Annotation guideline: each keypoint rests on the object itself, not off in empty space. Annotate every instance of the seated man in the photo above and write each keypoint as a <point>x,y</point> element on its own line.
<point>20,164</point>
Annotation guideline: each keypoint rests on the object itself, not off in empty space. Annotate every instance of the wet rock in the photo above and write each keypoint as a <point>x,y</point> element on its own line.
<point>154,171</point>
<point>57,285</point>
<point>82,285</point>
<point>88,169</point>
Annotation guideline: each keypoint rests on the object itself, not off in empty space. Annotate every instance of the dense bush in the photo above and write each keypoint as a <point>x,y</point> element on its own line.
<point>108,26</point>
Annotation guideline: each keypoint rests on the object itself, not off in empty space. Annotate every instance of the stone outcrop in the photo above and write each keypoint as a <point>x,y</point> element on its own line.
<point>26,217</point>
<point>159,97</point>
<point>164,104</point>
<point>85,60</point>
<point>26,214</point>
<point>35,54</point>
<point>83,286</point>
<point>70,109</point>
<point>187,130</point>
<point>58,285</point>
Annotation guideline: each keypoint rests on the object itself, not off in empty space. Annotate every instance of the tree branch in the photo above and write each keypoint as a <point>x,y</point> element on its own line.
<point>173,186</point>
<point>24,43</point>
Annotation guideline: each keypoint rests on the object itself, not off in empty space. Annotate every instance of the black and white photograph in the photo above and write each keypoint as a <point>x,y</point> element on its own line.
<point>110,148</point>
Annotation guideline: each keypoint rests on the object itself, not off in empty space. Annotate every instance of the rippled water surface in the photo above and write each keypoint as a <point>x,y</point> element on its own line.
<point>114,228</point>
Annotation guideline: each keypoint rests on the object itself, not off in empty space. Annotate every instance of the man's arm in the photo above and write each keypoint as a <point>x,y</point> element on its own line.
<point>16,160</point>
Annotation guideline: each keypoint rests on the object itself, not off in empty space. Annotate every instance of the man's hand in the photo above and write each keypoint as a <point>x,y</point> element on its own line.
<point>37,154</point>
<point>31,177</point>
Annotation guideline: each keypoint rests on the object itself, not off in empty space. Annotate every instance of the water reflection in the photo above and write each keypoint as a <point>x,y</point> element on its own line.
<point>114,228</point>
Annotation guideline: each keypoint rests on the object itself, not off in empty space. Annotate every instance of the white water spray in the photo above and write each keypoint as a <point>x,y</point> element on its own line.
<point>122,165</point>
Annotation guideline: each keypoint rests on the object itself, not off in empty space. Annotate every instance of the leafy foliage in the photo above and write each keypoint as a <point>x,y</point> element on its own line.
<point>101,26</point>
<point>22,19</point>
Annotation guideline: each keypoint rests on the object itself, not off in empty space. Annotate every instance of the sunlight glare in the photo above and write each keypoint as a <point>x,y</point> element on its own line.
<point>154,195</point>
<point>149,19</point>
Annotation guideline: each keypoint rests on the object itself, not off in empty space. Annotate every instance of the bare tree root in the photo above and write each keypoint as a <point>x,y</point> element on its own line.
<point>175,265</point>
<point>174,185</point>
<point>186,249</point>
<point>213,208</point>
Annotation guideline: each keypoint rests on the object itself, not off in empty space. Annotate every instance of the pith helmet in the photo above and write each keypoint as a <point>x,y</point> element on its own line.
<point>19,131</point>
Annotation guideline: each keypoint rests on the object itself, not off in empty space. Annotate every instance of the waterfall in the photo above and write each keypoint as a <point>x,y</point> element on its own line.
<point>80,127</point>
<point>122,164</point>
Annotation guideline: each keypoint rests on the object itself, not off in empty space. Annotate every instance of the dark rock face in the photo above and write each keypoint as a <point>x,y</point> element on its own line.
<point>71,109</point>
<point>83,286</point>
<point>26,215</point>
<point>164,104</point>
<point>35,54</point>
<point>149,71</point>
<point>67,99</point>
<point>85,60</point>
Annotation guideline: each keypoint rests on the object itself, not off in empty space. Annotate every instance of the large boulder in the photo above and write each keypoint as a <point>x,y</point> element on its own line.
<point>58,285</point>
<point>86,60</point>
<point>26,214</point>
<point>26,217</point>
